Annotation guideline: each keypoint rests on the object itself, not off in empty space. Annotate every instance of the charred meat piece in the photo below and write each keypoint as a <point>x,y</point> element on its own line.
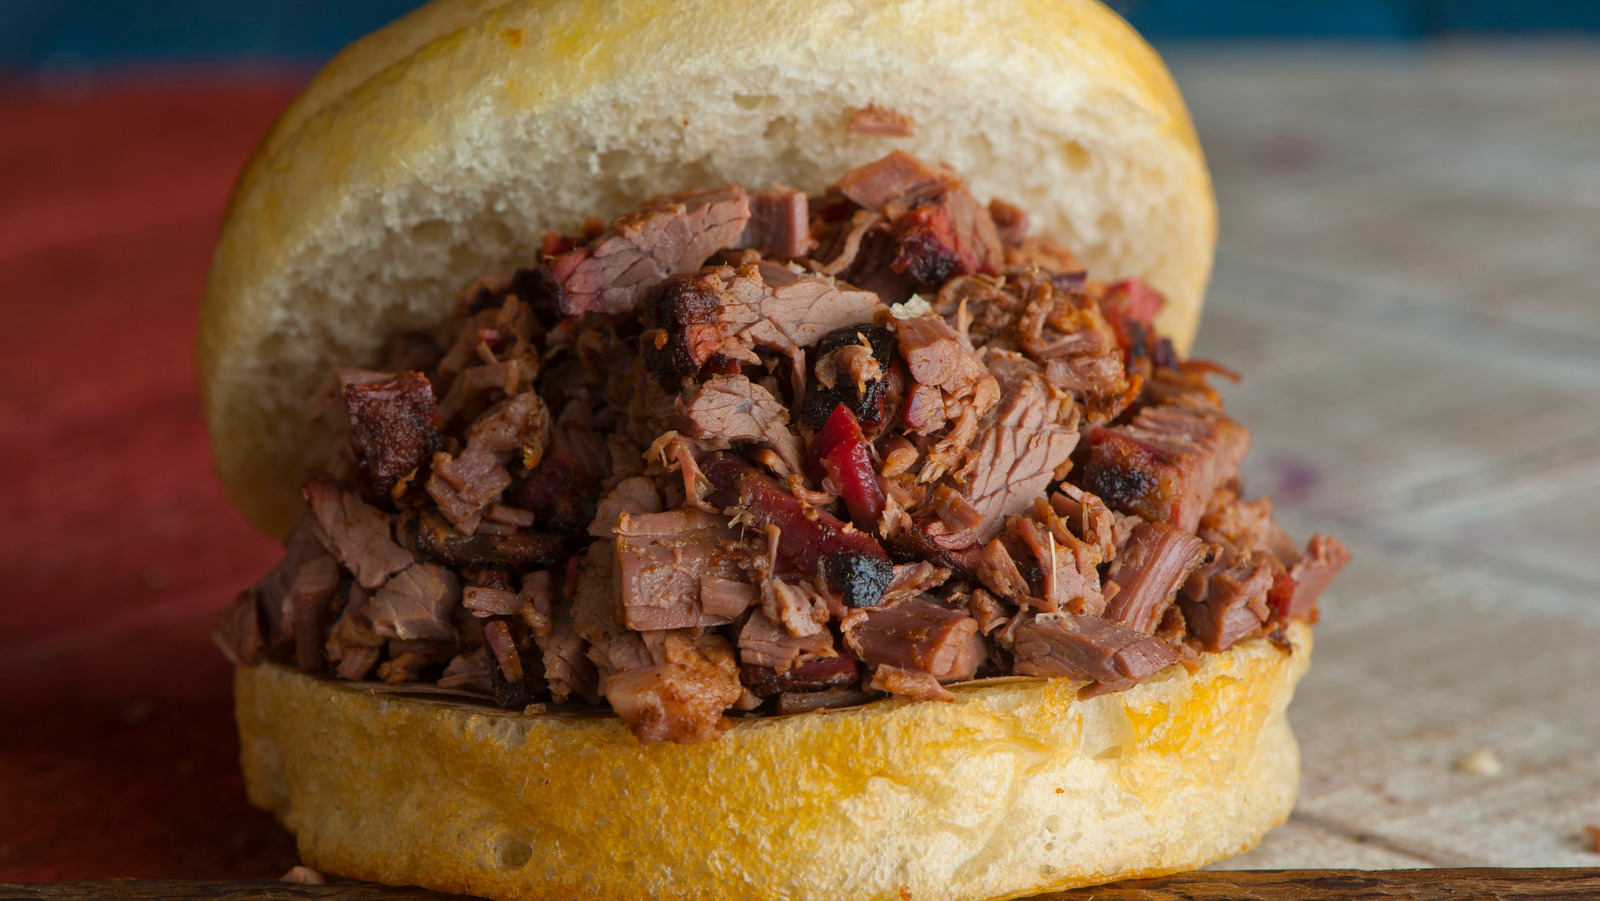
<point>861,579</point>
<point>806,534</point>
<point>865,397</point>
<point>1166,464</point>
<point>433,538</point>
<point>395,425</point>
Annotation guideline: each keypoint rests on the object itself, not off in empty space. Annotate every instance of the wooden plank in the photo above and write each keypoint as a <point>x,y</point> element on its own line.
<point>1261,885</point>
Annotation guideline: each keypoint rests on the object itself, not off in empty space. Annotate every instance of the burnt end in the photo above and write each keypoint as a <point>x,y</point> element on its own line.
<point>926,250</point>
<point>869,405</point>
<point>680,319</point>
<point>816,674</point>
<point>540,291</point>
<point>561,497</point>
<point>1163,355</point>
<point>434,539</point>
<point>860,578</point>
<point>395,425</point>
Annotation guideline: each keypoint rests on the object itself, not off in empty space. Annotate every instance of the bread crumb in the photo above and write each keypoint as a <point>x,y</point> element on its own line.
<point>1594,836</point>
<point>304,876</point>
<point>1482,762</point>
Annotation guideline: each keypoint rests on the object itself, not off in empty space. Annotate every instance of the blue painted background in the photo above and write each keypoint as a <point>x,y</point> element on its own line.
<point>44,35</point>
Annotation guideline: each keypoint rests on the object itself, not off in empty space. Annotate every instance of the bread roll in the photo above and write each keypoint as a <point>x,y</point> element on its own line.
<point>1017,787</point>
<point>441,148</point>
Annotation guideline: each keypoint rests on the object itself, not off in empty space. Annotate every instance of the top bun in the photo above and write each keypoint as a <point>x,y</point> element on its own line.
<point>442,147</point>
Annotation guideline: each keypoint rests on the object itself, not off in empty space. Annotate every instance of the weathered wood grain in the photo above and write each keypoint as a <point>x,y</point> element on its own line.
<point>1260,885</point>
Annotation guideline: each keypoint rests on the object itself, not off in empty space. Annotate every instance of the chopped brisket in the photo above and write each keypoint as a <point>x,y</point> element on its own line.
<point>623,475</point>
<point>660,561</point>
<point>1086,648</point>
<point>1013,460</point>
<point>395,424</point>
<point>841,459</point>
<point>671,236</point>
<point>806,534</point>
<point>918,634</point>
<point>764,642</point>
<point>681,696</point>
<point>355,533</point>
<point>1229,604</point>
<point>897,178</point>
<point>733,408</point>
<point>417,603</point>
<point>306,612</point>
<point>726,313</point>
<point>779,225</point>
<point>1154,565</point>
<point>1166,464</point>
<point>463,486</point>
<point>1325,556</point>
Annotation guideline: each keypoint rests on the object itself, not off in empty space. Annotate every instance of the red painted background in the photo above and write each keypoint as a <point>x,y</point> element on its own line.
<point>117,750</point>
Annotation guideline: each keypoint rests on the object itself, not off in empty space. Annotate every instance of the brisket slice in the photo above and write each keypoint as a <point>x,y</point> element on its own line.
<point>661,560</point>
<point>1085,647</point>
<point>395,426</point>
<point>672,235</point>
<point>1165,465</point>
<point>1154,565</point>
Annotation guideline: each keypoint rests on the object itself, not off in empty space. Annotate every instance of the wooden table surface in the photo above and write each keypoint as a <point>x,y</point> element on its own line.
<point>1409,279</point>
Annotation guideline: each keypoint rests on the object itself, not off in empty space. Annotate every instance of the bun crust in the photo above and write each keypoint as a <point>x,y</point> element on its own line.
<point>1015,788</point>
<point>442,147</point>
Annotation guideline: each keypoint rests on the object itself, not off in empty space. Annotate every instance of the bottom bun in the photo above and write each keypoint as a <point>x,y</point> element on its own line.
<point>1017,787</point>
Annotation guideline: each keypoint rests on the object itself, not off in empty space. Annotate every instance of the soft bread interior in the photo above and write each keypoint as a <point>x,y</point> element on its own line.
<point>441,148</point>
<point>1017,787</point>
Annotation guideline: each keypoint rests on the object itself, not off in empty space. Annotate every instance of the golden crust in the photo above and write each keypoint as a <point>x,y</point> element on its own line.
<point>440,148</point>
<point>1015,788</point>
